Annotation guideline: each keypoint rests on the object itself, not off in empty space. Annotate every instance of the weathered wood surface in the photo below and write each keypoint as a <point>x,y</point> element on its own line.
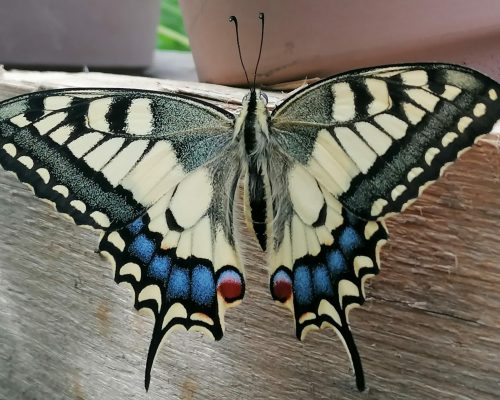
<point>430,328</point>
<point>18,82</point>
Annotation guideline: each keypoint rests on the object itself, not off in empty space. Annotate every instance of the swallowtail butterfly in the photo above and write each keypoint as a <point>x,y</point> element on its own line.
<point>157,174</point>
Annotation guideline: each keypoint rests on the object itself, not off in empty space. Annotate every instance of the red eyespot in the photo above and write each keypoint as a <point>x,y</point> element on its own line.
<point>281,286</point>
<point>230,286</point>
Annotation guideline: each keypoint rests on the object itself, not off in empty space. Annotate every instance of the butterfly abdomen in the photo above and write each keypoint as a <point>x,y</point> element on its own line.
<point>257,203</point>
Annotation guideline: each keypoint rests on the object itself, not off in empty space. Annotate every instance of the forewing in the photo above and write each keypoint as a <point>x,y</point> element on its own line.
<point>320,254</point>
<point>103,156</point>
<point>375,138</point>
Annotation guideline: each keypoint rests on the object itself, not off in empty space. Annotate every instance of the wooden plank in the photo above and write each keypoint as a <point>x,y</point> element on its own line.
<point>429,329</point>
<point>16,82</point>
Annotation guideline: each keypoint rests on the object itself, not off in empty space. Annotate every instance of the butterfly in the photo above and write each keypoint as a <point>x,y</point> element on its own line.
<point>157,174</point>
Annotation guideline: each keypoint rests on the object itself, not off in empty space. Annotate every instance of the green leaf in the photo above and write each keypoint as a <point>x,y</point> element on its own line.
<point>170,33</point>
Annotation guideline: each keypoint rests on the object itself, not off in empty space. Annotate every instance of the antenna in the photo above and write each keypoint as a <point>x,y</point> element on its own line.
<point>232,18</point>
<point>261,17</point>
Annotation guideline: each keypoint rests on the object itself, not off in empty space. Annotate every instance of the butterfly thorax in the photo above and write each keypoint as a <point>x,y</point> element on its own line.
<point>251,125</point>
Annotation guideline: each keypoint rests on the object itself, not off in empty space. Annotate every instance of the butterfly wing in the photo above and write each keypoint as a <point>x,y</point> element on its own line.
<point>377,137</point>
<point>320,254</point>
<point>180,256</point>
<point>157,173</point>
<point>355,148</point>
<point>93,152</point>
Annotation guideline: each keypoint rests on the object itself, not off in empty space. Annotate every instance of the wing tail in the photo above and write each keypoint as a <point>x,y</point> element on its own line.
<point>357,366</point>
<point>153,349</point>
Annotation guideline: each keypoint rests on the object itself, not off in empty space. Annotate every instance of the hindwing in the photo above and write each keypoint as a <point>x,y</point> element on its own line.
<point>320,254</point>
<point>181,257</point>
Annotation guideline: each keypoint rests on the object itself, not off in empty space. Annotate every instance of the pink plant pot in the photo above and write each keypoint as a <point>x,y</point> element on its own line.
<point>316,39</point>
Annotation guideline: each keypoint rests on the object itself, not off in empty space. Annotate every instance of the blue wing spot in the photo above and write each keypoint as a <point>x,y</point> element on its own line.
<point>336,262</point>
<point>302,286</point>
<point>143,248</point>
<point>136,226</point>
<point>202,285</point>
<point>321,281</point>
<point>178,284</point>
<point>349,240</point>
<point>160,267</point>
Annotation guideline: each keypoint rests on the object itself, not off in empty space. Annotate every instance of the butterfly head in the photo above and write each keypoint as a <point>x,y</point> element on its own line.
<point>252,121</point>
<point>256,98</point>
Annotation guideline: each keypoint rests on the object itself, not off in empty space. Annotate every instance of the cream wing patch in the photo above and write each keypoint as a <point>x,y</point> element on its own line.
<point>83,144</point>
<point>392,125</point>
<point>139,119</point>
<point>331,165</point>
<point>202,245</point>
<point>50,122</point>
<point>124,161</point>
<point>343,108</point>
<point>316,213</point>
<point>103,153</point>
<point>374,137</point>
<point>413,113</point>
<point>298,236</point>
<point>57,102</point>
<point>380,93</point>
<point>96,116</point>
<point>155,174</point>
<point>305,194</point>
<point>415,78</point>
<point>356,148</point>
<point>62,134</point>
<point>423,98</point>
<point>223,253</point>
<point>192,198</point>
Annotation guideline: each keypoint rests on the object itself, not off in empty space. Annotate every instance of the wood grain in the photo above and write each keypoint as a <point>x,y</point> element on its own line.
<point>430,328</point>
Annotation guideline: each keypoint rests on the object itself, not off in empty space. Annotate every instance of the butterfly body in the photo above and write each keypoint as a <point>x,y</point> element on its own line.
<point>157,173</point>
<point>252,132</point>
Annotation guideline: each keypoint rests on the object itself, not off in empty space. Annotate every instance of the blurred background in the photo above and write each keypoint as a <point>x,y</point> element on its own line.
<point>171,34</point>
<point>127,36</point>
<point>169,38</point>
